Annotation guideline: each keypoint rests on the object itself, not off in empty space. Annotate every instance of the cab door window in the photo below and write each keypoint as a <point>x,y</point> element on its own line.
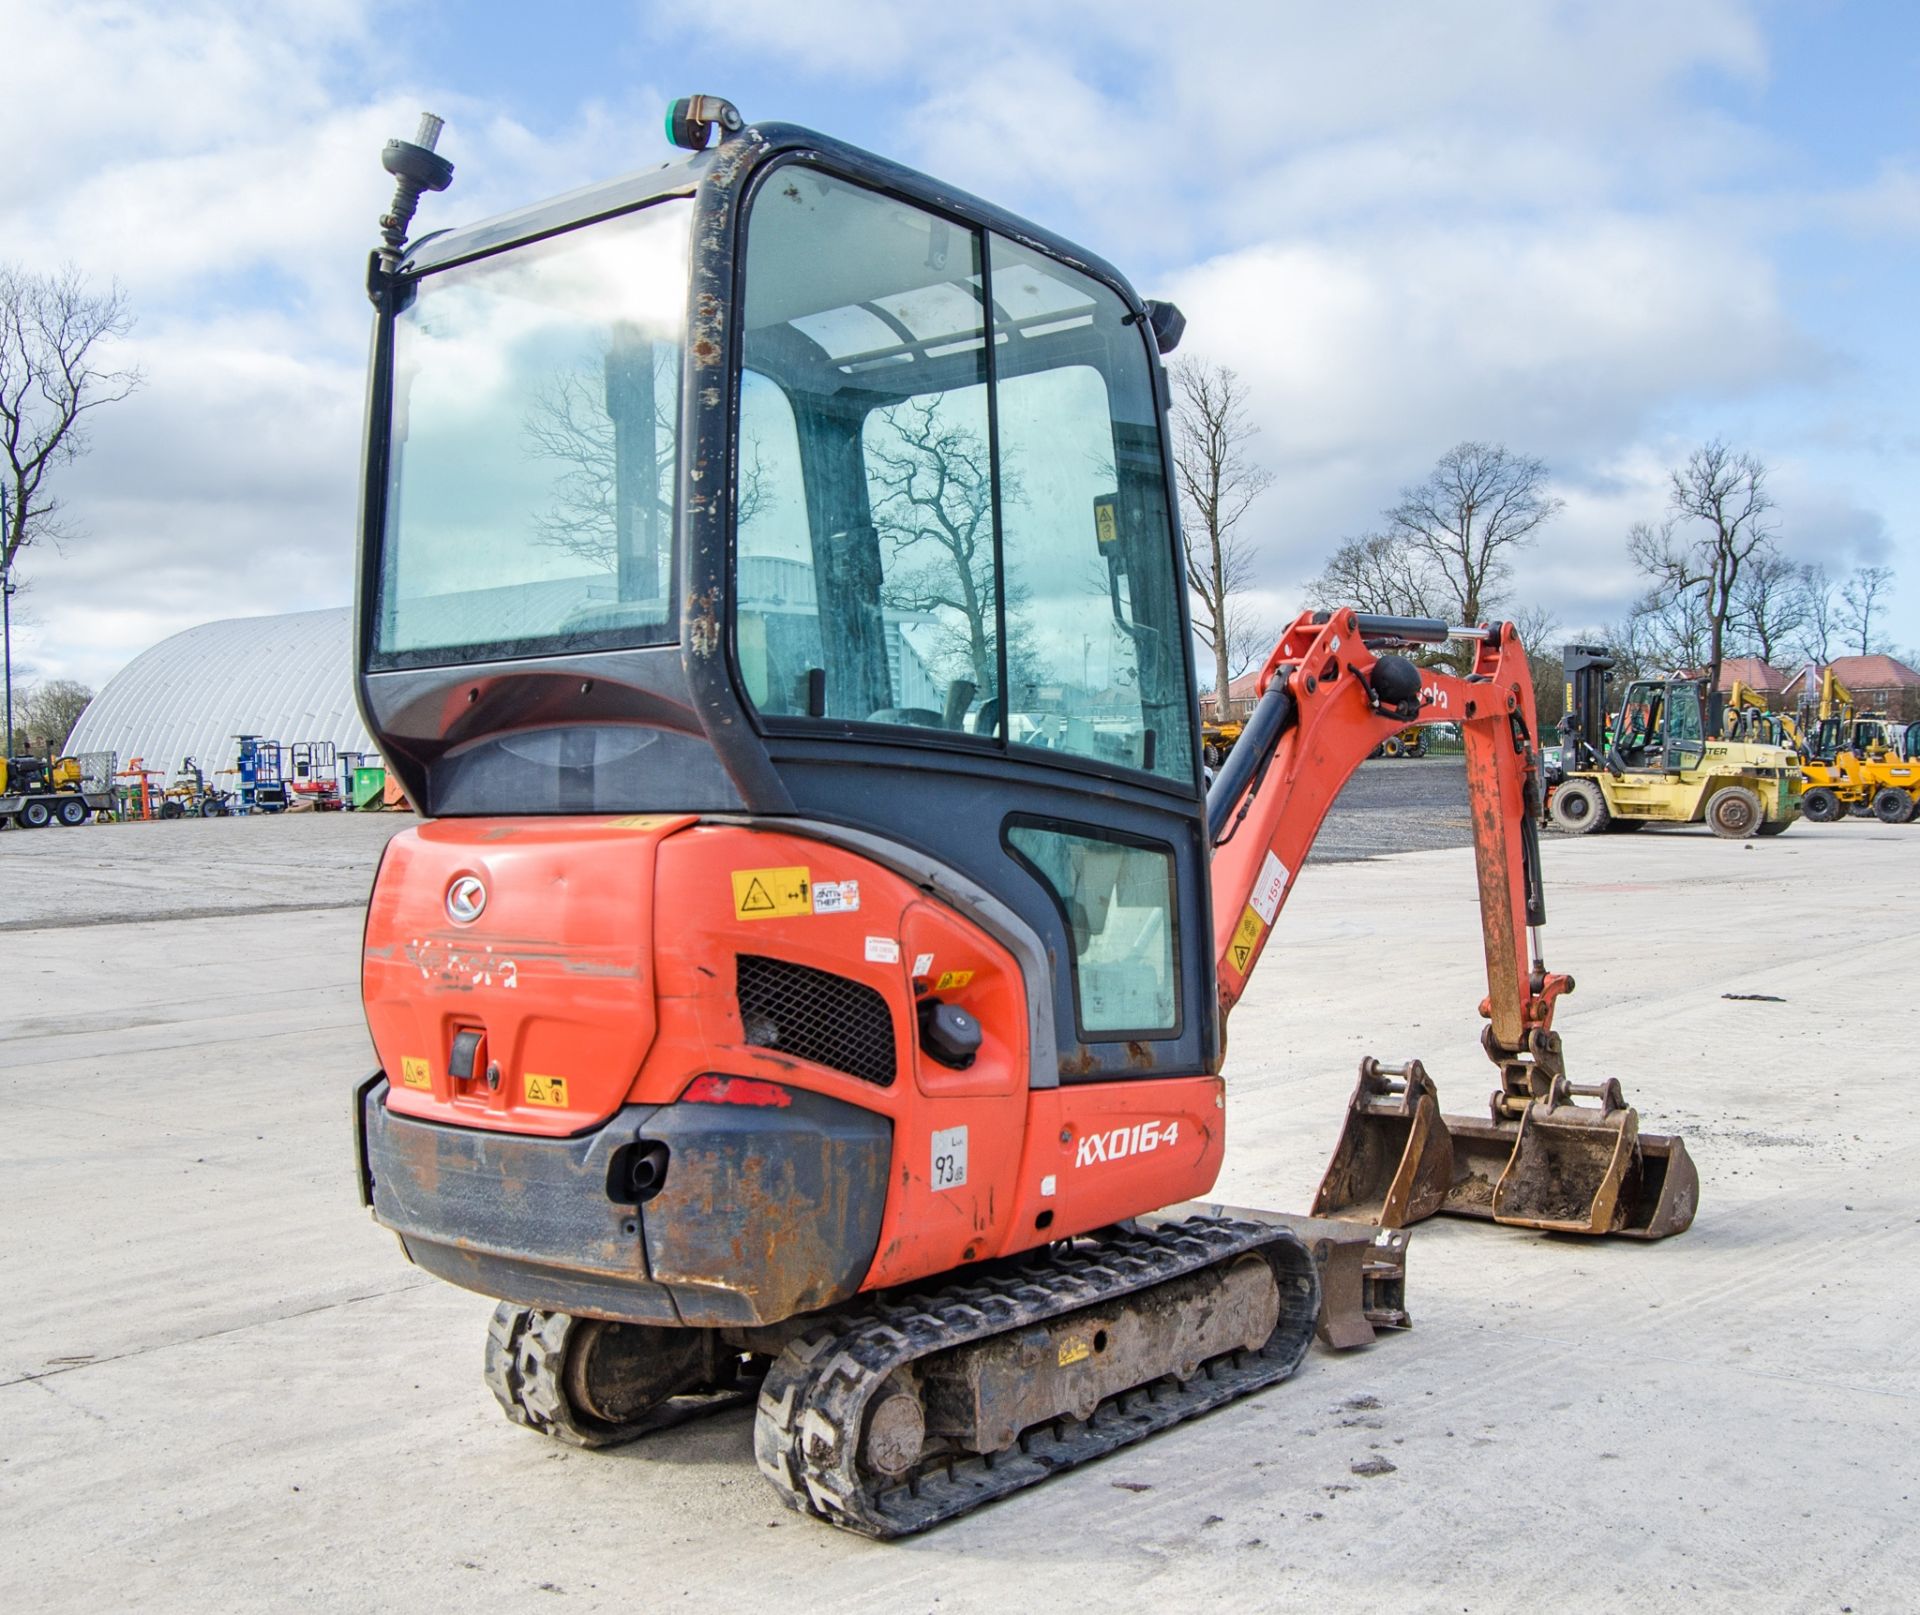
<point>1116,895</point>
<point>866,563</point>
<point>939,536</point>
<point>1095,664</point>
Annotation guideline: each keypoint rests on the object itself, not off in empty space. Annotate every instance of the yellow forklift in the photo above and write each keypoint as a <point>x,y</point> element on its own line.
<point>1653,759</point>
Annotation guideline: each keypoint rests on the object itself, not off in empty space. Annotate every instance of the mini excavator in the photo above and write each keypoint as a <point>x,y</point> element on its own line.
<point>809,983</point>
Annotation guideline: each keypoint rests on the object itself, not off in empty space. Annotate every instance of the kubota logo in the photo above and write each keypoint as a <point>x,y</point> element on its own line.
<point>466,897</point>
<point>1124,1141</point>
<point>1433,696</point>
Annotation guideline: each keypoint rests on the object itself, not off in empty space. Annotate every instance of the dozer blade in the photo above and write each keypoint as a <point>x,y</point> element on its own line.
<point>1560,1167</point>
<point>1395,1161</point>
<point>1363,1267</point>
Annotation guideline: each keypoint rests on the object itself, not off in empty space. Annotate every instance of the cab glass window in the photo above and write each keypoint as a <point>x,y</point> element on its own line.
<point>1117,899</point>
<point>1095,664</point>
<point>867,585</point>
<point>530,497</point>
<point>933,536</point>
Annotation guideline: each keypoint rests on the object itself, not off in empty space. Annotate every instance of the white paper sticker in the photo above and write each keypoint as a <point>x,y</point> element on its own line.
<point>836,896</point>
<point>1269,889</point>
<point>1047,1186</point>
<point>923,964</point>
<point>949,1166</point>
<point>882,950</point>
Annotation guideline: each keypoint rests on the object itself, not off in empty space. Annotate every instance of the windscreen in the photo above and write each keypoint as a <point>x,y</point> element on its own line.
<point>535,408</point>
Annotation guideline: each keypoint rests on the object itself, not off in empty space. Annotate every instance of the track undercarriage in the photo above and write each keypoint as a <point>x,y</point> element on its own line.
<point>904,1409</point>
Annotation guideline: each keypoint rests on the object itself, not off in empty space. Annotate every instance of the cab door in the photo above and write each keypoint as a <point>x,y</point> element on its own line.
<point>959,618</point>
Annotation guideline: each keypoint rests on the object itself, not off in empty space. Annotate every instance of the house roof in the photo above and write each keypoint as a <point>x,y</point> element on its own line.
<point>1754,673</point>
<point>1875,672</point>
<point>1860,673</point>
<point>1244,688</point>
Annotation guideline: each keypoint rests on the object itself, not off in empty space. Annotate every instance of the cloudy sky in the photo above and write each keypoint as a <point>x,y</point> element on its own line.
<point>1599,232</point>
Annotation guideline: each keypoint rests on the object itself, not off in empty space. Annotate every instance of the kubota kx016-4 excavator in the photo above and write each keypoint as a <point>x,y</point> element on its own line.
<point>813,970</point>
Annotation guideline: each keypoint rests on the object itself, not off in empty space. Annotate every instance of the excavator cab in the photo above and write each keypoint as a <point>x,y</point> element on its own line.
<point>782,483</point>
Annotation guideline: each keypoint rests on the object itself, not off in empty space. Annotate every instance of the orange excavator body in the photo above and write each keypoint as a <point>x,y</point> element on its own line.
<point>811,981</point>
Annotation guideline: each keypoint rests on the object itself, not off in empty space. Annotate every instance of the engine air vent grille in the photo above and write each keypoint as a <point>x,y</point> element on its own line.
<point>818,1016</point>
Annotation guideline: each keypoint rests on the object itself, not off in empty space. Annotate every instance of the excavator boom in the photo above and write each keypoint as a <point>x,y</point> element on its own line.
<point>1332,688</point>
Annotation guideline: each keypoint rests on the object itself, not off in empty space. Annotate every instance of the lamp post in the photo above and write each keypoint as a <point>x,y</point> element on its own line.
<point>6,618</point>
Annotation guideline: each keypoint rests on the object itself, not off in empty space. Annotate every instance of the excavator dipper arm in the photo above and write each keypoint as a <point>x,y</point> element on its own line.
<point>1332,690</point>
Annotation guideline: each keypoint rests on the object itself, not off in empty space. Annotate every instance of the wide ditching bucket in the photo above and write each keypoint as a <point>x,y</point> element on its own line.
<point>1558,1166</point>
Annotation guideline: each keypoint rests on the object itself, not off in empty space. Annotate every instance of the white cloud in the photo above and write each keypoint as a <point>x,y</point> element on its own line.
<point>207,164</point>
<point>1405,226</point>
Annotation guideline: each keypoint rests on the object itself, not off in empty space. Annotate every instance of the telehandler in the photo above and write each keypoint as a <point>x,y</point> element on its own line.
<point>810,981</point>
<point>1746,716</point>
<point>1655,759</point>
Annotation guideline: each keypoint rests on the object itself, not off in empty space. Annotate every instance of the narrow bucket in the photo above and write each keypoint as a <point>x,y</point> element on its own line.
<point>1571,1166</point>
<point>1394,1160</point>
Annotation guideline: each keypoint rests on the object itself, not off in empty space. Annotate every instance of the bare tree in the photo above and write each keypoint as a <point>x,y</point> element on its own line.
<point>1863,601</point>
<point>1717,523</point>
<point>1378,573</point>
<point>1770,605</point>
<point>1820,620</point>
<point>1218,482</point>
<point>1478,504</point>
<point>49,711</point>
<point>52,375</point>
<point>1539,631</point>
<point>932,484</point>
<point>1630,643</point>
<point>1668,627</point>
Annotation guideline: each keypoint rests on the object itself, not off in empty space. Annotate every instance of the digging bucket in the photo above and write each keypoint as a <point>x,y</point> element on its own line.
<point>1574,1168</point>
<point>1395,1158</point>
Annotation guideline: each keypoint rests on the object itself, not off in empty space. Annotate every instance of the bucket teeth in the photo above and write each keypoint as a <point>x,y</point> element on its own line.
<point>1557,1165</point>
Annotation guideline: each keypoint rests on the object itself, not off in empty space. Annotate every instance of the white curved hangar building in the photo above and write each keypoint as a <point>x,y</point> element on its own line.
<point>286,678</point>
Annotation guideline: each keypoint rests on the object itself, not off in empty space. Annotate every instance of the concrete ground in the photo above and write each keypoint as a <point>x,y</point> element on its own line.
<point>222,1387</point>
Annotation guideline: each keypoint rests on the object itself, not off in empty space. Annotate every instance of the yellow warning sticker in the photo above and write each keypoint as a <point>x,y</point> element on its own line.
<point>767,894</point>
<point>1074,1349</point>
<point>951,980</point>
<point>643,821</point>
<point>546,1090</point>
<point>1246,937</point>
<point>1106,518</point>
<point>415,1073</point>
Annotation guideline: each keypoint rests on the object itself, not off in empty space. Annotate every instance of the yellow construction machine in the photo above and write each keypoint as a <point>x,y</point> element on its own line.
<point>1857,763</point>
<point>1748,717</point>
<point>1409,742</point>
<point>1655,763</point>
<point>1216,740</point>
<point>38,791</point>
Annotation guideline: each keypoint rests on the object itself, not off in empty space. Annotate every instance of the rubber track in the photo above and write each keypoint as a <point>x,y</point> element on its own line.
<point>525,1369</point>
<point>813,1402</point>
